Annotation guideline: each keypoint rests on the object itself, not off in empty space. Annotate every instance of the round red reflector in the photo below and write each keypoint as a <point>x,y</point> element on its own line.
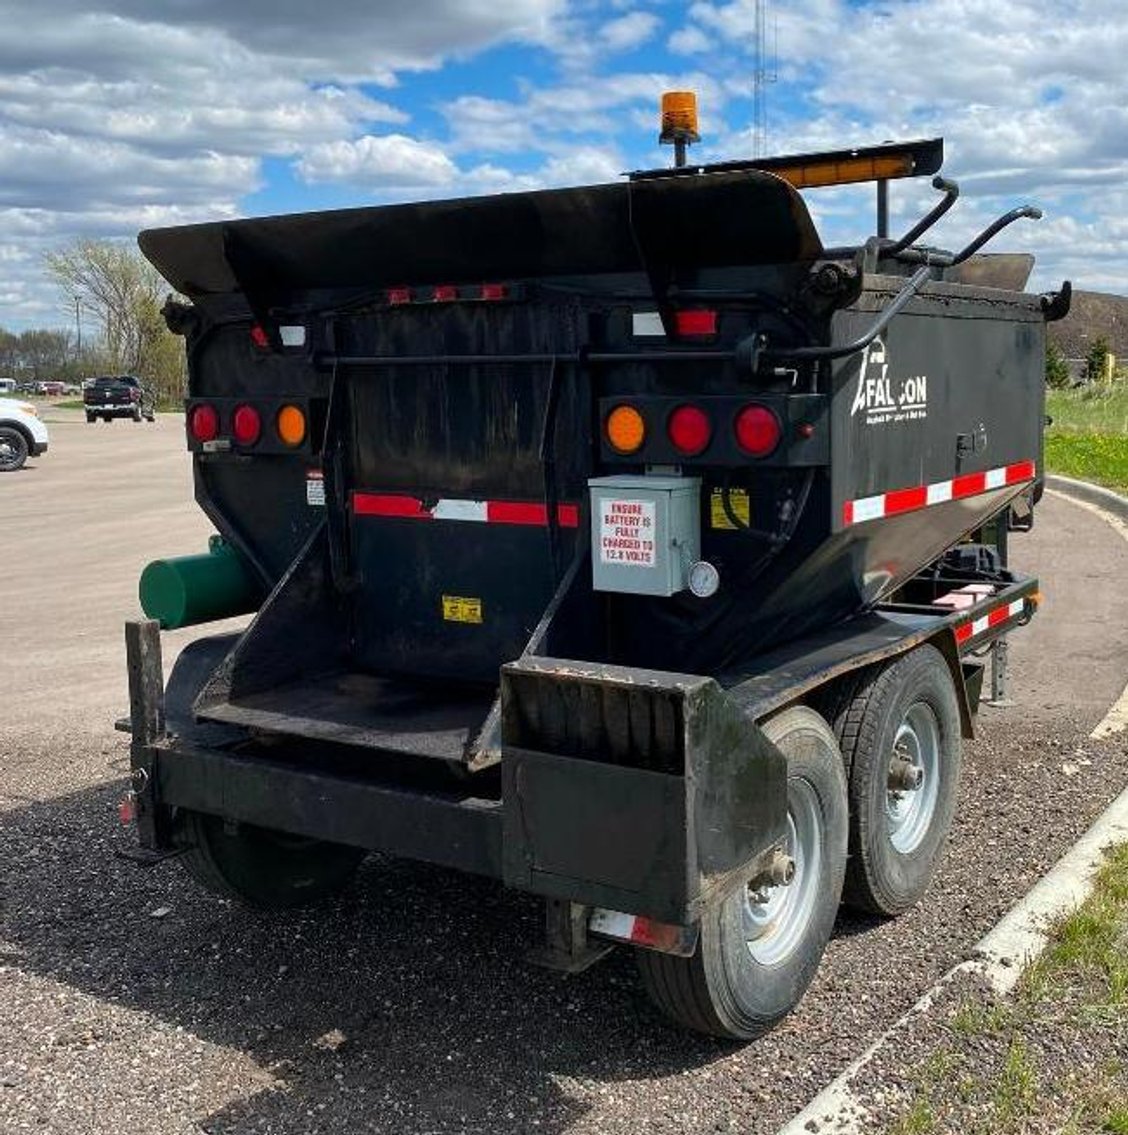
<point>690,430</point>
<point>246,425</point>
<point>757,430</point>
<point>203,423</point>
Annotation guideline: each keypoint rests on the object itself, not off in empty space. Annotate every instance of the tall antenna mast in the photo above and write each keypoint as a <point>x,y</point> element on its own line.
<point>763,73</point>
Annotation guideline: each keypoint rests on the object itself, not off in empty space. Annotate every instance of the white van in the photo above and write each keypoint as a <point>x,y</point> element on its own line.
<point>7,386</point>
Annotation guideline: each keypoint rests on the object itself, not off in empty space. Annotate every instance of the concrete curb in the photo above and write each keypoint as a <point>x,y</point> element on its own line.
<point>1103,498</point>
<point>1001,956</point>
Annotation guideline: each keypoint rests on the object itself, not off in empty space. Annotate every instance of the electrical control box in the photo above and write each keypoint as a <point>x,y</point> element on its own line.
<point>645,533</point>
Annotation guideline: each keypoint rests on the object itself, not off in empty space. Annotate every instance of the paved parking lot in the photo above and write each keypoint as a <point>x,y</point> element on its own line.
<point>130,1001</point>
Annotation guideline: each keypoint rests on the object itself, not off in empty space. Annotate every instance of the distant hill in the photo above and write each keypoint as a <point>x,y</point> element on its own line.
<point>1092,315</point>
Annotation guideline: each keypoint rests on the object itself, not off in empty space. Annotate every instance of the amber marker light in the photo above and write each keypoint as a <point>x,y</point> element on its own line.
<point>291,425</point>
<point>626,430</point>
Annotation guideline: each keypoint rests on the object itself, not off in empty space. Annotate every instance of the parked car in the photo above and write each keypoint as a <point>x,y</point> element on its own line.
<point>7,385</point>
<point>21,434</point>
<point>118,396</point>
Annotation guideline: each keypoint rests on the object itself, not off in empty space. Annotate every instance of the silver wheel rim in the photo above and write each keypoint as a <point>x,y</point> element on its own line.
<point>909,812</point>
<point>776,918</point>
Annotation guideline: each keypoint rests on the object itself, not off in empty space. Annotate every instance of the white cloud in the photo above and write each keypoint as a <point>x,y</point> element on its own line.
<point>630,31</point>
<point>389,161</point>
<point>690,40</point>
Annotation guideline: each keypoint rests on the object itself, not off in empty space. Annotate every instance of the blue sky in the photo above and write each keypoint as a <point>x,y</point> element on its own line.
<point>119,115</point>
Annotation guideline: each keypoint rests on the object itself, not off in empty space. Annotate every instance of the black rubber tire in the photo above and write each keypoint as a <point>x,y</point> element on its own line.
<point>107,419</point>
<point>137,413</point>
<point>90,417</point>
<point>722,990</point>
<point>261,868</point>
<point>14,446</point>
<point>879,878</point>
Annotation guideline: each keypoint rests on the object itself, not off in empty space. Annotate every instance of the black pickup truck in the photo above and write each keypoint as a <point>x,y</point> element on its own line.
<point>118,396</point>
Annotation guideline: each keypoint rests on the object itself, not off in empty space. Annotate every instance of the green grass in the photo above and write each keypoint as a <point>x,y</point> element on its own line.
<point>992,1073</point>
<point>1089,435</point>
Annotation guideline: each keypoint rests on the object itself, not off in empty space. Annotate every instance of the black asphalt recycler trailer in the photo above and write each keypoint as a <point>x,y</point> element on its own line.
<point>622,543</point>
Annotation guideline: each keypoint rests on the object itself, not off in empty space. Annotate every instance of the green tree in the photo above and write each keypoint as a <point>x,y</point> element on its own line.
<point>123,292</point>
<point>1097,362</point>
<point>1057,369</point>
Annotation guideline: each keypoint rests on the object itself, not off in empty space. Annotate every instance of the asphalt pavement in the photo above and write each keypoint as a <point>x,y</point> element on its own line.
<point>132,1001</point>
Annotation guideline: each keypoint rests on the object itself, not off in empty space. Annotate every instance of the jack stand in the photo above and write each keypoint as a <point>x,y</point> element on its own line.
<point>998,698</point>
<point>567,948</point>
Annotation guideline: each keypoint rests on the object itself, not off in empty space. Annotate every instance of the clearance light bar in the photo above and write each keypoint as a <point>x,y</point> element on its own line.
<point>891,160</point>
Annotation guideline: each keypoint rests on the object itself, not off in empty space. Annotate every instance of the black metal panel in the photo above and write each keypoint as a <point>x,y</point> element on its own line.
<point>647,792</point>
<point>449,829</point>
<point>736,218</point>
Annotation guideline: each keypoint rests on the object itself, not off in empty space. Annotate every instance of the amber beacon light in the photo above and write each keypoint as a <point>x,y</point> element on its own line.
<point>679,122</point>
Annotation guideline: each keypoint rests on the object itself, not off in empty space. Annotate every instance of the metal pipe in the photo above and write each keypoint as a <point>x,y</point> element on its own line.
<point>883,208</point>
<point>883,320</point>
<point>951,191</point>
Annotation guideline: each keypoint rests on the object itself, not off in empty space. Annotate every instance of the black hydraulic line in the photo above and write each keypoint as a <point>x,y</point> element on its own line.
<point>1031,211</point>
<point>951,192</point>
<point>916,281</point>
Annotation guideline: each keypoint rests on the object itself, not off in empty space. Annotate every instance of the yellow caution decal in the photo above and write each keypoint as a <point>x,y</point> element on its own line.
<point>462,609</point>
<point>738,502</point>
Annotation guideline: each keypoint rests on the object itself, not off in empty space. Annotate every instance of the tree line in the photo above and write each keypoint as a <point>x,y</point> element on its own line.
<point>114,296</point>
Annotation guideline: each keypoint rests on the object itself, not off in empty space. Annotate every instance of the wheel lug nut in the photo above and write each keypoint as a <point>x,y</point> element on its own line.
<point>904,776</point>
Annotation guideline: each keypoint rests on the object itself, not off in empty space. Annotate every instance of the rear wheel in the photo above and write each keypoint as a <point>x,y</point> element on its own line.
<point>260,867</point>
<point>90,417</point>
<point>759,949</point>
<point>900,738</point>
<point>13,449</point>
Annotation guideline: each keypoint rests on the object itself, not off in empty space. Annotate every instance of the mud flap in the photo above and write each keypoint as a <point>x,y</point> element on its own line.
<point>637,791</point>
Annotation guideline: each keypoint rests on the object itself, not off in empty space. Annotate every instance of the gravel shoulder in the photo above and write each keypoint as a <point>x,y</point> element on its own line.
<point>131,1001</point>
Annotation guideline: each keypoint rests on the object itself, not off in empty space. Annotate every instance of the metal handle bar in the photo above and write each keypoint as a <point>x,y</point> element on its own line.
<point>894,247</point>
<point>948,259</point>
<point>951,192</point>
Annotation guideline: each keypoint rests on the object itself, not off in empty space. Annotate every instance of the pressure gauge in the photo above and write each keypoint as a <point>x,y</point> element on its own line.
<point>704,579</point>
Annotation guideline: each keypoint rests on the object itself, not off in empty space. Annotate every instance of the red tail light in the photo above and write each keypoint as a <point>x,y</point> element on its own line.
<point>259,337</point>
<point>203,423</point>
<point>758,430</point>
<point>445,293</point>
<point>493,292</point>
<point>246,425</point>
<point>691,323</point>
<point>398,296</point>
<point>689,430</point>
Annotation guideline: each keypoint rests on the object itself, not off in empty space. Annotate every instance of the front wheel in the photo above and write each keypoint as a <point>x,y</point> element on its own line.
<point>136,413</point>
<point>260,867</point>
<point>90,417</point>
<point>13,449</point>
<point>760,948</point>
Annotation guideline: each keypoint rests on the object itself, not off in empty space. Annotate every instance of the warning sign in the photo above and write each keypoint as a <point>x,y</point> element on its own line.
<point>315,488</point>
<point>626,532</point>
<point>462,609</point>
<point>739,503</point>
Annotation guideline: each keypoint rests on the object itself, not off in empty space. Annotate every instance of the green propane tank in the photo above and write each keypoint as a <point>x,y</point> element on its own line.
<point>185,590</point>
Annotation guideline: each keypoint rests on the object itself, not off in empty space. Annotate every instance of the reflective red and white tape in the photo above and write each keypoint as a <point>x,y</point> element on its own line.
<point>922,496</point>
<point>973,627</point>
<point>639,931</point>
<point>476,511</point>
